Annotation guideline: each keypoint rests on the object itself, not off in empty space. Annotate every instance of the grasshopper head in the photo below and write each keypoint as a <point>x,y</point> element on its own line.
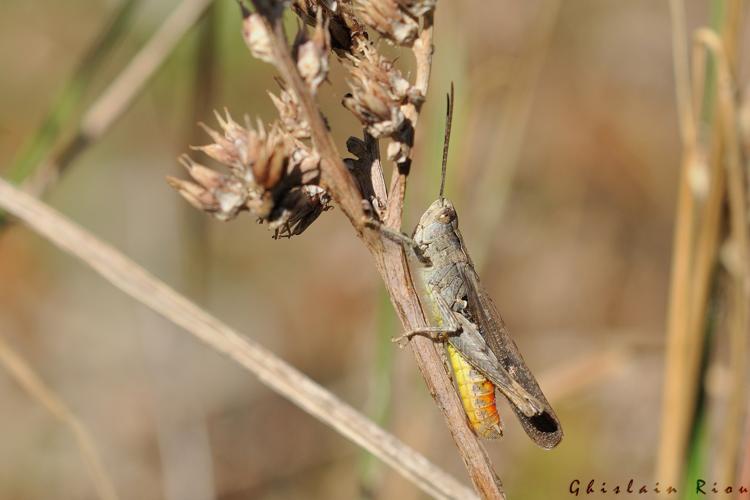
<point>439,220</point>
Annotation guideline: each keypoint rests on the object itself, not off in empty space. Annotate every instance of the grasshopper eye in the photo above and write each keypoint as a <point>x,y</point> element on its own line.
<point>447,216</point>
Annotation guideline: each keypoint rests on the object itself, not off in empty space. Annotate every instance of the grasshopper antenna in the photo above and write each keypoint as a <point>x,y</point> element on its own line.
<point>447,139</point>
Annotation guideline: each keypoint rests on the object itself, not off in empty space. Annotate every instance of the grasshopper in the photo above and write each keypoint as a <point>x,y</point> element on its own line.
<point>482,354</point>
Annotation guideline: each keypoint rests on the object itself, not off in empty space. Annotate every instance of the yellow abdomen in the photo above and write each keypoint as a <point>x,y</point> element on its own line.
<point>477,395</point>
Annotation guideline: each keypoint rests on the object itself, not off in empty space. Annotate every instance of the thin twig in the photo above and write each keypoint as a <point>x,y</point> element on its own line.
<point>272,371</point>
<point>37,389</point>
<point>390,259</point>
<point>120,94</point>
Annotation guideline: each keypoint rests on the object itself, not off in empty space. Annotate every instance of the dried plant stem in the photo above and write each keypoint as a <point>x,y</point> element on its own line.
<point>36,388</point>
<point>686,112</point>
<point>120,94</point>
<point>676,409</point>
<point>422,49</point>
<point>702,192</point>
<point>272,371</point>
<point>736,259</point>
<point>390,259</point>
<point>334,175</point>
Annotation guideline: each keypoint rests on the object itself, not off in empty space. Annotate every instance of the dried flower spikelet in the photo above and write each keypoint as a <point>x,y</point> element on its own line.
<point>292,118</point>
<point>257,38</point>
<point>312,54</point>
<point>223,196</point>
<point>231,147</point>
<point>304,166</point>
<point>387,18</point>
<point>269,159</point>
<point>417,8</point>
<point>266,169</point>
<point>378,92</point>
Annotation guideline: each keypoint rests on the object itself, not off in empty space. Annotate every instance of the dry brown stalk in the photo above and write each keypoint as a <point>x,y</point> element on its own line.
<point>35,387</point>
<point>673,420</point>
<point>735,257</point>
<point>389,257</point>
<point>272,371</point>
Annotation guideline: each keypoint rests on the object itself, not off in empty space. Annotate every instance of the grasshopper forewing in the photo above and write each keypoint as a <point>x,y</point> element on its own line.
<point>476,333</point>
<point>543,427</point>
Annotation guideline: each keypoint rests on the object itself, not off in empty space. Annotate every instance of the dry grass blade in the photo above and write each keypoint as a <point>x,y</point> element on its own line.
<point>36,388</point>
<point>272,371</point>
<point>735,257</point>
<point>675,402</point>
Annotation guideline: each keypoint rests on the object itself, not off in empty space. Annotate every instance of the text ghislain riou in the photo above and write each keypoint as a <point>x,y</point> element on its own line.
<point>577,488</point>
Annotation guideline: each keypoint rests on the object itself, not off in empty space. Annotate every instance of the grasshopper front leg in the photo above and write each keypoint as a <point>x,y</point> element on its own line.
<point>400,238</point>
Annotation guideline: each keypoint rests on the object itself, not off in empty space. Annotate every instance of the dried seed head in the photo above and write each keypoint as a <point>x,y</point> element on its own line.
<point>269,159</point>
<point>378,91</point>
<point>257,38</point>
<point>312,53</point>
<point>272,175</point>
<point>417,8</point>
<point>220,195</point>
<point>236,147</point>
<point>292,118</point>
<point>389,19</point>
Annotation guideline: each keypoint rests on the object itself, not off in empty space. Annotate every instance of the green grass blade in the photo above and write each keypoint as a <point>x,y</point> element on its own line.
<point>70,97</point>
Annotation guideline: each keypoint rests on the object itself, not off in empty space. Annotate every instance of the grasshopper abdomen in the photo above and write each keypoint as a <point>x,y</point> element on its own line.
<point>477,397</point>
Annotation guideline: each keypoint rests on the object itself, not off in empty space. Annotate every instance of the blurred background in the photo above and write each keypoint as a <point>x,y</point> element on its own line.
<point>564,167</point>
